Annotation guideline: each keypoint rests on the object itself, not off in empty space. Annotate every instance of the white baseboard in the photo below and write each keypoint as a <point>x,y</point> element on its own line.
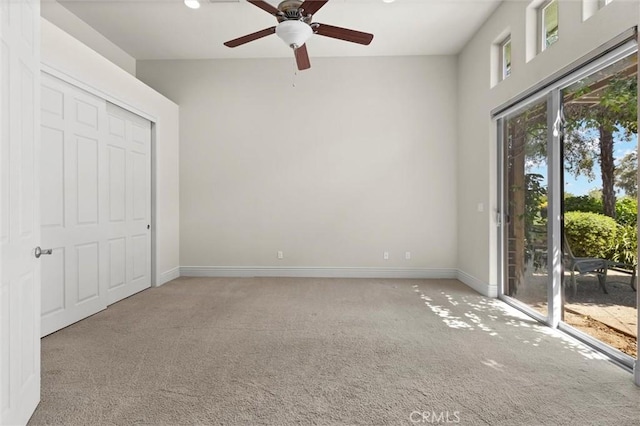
<point>311,272</point>
<point>167,276</point>
<point>341,272</point>
<point>480,286</point>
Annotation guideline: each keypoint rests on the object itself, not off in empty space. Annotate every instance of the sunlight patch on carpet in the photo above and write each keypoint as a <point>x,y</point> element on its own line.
<point>497,311</point>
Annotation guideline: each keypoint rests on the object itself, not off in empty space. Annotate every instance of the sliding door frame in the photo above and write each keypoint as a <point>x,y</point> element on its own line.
<point>502,218</point>
<point>554,209</point>
<point>623,46</point>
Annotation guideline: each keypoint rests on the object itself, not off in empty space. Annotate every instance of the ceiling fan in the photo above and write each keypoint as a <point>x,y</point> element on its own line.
<point>295,26</point>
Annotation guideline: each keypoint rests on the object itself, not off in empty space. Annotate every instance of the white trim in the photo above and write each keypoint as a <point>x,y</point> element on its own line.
<point>49,69</point>
<point>316,272</point>
<point>167,276</point>
<point>478,285</point>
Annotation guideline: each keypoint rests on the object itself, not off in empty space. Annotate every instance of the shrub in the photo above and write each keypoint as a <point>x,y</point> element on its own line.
<point>590,234</point>
<point>625,248</point>
<point>626,207</point>
<point>626,211</point>
<point>583,203</point>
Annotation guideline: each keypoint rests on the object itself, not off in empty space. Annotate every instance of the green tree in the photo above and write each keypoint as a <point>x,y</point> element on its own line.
<point>595,111</point>
<point>626,174</point>
<point>599,111</point>
<point>627,211</point>
<point>596,194</point>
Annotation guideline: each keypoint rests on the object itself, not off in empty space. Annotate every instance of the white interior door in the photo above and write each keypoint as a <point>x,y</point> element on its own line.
<point>19,219</point>
<point>129,203</point>
<point>72,185</point>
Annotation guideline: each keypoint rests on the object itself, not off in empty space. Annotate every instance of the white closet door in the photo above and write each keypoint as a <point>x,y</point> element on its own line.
<point>73,171</point>
<point>129,203</point>
<point>95,204</point>
<point>19,221</point>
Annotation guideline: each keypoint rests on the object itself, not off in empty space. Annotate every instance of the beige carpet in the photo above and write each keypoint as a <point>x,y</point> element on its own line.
<point>319,351</point>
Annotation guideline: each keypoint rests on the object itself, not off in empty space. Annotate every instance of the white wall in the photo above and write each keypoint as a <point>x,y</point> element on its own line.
<point>477,240</point>
<point>357,159</point>
<point>61,17</point>
<point>68,56</point>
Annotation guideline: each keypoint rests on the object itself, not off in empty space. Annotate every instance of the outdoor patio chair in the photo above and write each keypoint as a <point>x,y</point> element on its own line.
<point>625,268</point>
<point>584,265</point>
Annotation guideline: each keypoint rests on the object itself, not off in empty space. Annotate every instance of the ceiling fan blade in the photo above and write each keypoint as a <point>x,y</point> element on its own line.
<point>265,6</point>
<point>312,6</point>
<point>250,37</point>
<point>344,34</point>
<point>302,57</point>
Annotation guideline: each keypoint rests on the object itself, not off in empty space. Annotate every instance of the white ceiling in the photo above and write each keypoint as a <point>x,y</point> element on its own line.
<point>167,29</point>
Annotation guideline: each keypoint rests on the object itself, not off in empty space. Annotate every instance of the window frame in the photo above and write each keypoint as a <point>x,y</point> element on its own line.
<point>542,27</point>
<point>505,66</point>
<point>603,3</point>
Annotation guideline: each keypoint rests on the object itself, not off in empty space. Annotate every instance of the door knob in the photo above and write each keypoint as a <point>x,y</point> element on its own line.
<point>39,252</point>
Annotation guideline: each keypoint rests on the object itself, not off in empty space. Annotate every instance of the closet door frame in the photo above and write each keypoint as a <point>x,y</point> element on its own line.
<point>48,69</point>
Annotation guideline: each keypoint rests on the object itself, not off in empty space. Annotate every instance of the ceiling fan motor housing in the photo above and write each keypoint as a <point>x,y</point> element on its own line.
<point>291,11</point>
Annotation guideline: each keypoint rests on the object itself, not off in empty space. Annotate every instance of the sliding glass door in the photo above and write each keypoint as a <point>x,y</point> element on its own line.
<point>600,200</point>
<point>526,161</point>
<point>569,203</point>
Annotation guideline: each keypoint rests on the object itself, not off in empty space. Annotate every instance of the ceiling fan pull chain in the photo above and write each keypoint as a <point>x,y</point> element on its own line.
<point>295,75</point>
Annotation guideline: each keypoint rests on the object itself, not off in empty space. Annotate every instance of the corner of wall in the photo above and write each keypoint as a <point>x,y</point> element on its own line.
<point>486,289</point>
<point>64,19</point>
<point>167,276</point>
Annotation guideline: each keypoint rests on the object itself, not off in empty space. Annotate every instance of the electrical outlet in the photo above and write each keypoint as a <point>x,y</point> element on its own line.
<point>407,255</point>
<point>280,255</point>
<point>385,255</point>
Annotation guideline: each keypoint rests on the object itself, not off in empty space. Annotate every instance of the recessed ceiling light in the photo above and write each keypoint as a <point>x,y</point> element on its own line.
<point>194,4</point>
<point>388,1</point>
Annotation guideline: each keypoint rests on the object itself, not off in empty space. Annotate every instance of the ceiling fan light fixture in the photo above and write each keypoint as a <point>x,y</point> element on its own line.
<point>192,4</point>
<point>294,33</point>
